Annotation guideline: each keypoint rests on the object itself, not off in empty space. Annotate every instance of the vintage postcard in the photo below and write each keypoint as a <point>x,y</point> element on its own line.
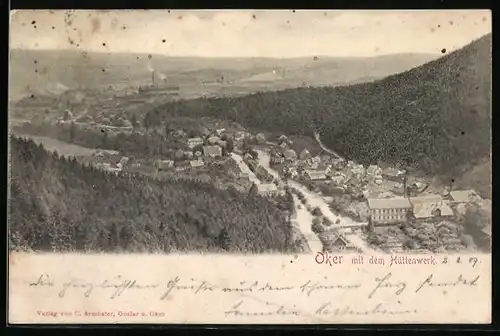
<point>250,167</point>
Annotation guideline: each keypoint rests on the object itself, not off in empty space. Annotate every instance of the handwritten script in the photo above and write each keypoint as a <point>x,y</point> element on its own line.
<point>381,295</point>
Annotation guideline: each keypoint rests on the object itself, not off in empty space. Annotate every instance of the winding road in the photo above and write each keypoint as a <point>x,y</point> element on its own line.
<point>323,147</point>
<point>303,221</point>
<point>315,200</point>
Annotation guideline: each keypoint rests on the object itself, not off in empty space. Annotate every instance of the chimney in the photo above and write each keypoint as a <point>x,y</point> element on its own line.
<point>405,181</point>
<point>153,77</point>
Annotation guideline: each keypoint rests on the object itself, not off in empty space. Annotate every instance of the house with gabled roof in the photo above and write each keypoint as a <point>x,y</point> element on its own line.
<point>164,164</point>
<point>463,196</point>
<point>373,170</point>
<point>277,158</point>
<point>393,174</point>
<point>305,154</point>
<point>339,241</point>
<point>212,151</point>
<point>196,163</point>
<point>266,189</point>
<point>239,136</point>
<point>213,139</point>
<point>290,154</point>
<point>334,241</point>
<point>282,138</point>
<point>430,207</point>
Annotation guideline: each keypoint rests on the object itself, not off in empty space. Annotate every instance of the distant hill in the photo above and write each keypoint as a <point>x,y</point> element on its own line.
<point>49,71</point>
<point>434,118</point>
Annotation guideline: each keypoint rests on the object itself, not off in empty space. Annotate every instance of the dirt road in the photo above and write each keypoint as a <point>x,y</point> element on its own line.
<point>315,200</point>
<point>316,136</point>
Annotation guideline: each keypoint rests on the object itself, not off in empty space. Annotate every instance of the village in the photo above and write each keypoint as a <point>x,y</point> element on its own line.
<point>339,204</point>
<point>342,205</point>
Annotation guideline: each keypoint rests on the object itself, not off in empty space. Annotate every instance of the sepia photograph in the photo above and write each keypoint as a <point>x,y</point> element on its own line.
<point>241,133</point>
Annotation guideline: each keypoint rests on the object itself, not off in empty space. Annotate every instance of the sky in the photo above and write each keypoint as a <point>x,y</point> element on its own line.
<point>269,33</point>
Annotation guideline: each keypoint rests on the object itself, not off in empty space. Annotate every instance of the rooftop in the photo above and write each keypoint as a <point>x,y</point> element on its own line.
<point>195,140</point>
<point>290,153</point>
<point>427,209</point>
<point>426,199</point>
<point>266,187</point>
<point>212,150</point>
<point>335,235</point>
<point>487,230</point>
<point>389,203</point>
<point>392,171</point>
<point>196,163</point>
<point>316,174</point>
<point>463,195</point>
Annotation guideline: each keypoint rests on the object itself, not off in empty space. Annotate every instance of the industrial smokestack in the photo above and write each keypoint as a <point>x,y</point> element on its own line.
<point>406,189</point>
<point>153,77</point>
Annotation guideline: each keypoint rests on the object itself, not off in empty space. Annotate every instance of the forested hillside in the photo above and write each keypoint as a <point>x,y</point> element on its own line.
<point>434,118</point>
<point>57,204</point>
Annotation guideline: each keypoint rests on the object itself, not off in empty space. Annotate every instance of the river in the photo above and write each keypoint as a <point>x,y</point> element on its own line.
<point>315,200</point>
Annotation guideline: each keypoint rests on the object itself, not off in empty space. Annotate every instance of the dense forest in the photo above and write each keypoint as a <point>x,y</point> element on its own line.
<point>57,204</point>
<point>434,118</point>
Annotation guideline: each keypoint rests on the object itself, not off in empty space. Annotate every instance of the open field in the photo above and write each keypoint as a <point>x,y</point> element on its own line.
<point>50,72</point>
<point>61,147</point>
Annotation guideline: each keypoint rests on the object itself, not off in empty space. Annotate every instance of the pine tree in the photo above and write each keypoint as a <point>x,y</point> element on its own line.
<point>134,121</point>
<point>105,138</point>
<point>229,145</point>
<point>224,240</point>
<point>72,131</point>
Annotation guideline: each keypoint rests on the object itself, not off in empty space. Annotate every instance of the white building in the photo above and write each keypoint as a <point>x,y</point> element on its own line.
<point>373,170</point>
<point>196,163</point>
<point>193,142</point>
<point>389,210</point>
<point>267,189</point>
<point>315,175</point>
<point>164,164</point>
<point>212,151</point>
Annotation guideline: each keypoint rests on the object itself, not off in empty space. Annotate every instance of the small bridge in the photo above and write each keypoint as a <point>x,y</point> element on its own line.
<point>349,226</point>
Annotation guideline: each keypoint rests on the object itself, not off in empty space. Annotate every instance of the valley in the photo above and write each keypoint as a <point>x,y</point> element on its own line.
<point>253,156</point>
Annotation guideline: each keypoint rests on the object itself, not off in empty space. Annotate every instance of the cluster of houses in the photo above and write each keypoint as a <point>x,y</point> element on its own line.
<point>168,165</point>
<point>109,161</point>
<point>303,164</point>
<point>198,151</point>
<point>437,210</point>
<point>395,210</point>
<point>339,172</point>
<point>343,174</point>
